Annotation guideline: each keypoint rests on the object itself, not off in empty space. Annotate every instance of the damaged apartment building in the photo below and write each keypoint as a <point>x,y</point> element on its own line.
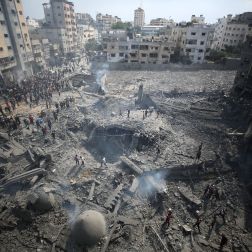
<point>144,50</point>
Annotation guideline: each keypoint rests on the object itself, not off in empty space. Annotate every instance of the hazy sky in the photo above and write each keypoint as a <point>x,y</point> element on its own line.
<point>179,10</point>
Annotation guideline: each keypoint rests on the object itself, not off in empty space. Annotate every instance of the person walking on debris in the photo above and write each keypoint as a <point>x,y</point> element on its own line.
<point>120,112</point>
<point>168,217</point>
<point>146,113</point>
<point>82,161</point>
<point>198,221</point>
<point>128,113</point>
<point>103,162</point>
<point>224,241</point>
<point>53,135</point>
<point>76,160</point>
<point>222,214</point>
<point>158,113</point>
<point>198,155</point>
<point>143,115</point>
<point>49,123</point>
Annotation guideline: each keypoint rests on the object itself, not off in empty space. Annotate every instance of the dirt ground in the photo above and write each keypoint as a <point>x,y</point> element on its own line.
<point>151,167</point>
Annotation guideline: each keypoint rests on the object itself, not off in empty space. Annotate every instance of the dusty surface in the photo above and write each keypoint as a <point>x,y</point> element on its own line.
<point>191,112</point>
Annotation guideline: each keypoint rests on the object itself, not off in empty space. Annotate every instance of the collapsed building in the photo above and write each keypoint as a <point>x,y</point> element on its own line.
<point>148,126</point>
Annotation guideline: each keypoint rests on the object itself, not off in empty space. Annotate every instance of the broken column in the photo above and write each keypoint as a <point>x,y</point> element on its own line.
<point>89,228</point>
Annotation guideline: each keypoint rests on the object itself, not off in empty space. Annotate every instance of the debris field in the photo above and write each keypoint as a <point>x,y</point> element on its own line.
<point>139,135</point>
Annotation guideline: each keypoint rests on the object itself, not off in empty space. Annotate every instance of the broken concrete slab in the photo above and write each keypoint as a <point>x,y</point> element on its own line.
<point>189,196</point>
<point>131,165</point>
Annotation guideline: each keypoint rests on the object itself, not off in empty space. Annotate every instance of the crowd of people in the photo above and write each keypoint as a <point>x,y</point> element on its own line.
<point>35,90</point>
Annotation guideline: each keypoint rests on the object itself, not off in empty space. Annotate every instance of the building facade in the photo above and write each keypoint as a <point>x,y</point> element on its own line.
<point>162,22</point>
<point>230,32</point>
<point>198,20</point>
<point>198,42</point>
<point>60,19</point>
<point>85,33</point>
<point>143,51</point>
<point>139,17</point>
<point>15,45</point>
<point>105,22</point>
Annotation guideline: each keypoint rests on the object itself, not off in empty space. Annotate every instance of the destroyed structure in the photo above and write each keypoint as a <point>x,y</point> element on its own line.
<point>130,161</point>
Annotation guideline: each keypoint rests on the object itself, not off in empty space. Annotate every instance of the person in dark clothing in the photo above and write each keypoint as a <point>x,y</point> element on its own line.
<point>76,159</point>
<point>167,218</point>
<point>49,123</point>
<point>198,155</point>
<point>198,221</point>
<point>224,241</point>
<point>53,134</point>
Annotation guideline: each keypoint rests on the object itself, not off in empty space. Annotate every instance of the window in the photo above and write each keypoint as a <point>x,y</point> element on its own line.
<point>23,24</point>
<point>9,47</point>
<point>48,14</point>
<point>19,35</point>
<point>144,55</point>
<point>112,55</point>
<point>13,12</point>
<point>203,34</point>
<point>199,58</point>
<point>232,35</point>
<point>200,51</point>
<point>193,33</point>
<point>153,55</point>
<point>20,13</point>
<point>15,23</point>
<point>1,49</point>
<point>202,42</point>
<point>144,47</point>
<point>121,54</point>
<point>188,50</point>
<point>58,7</point>
<point>21,46</point>
<point>6,35</point>
<point>18,1</point>
<point>2,22</point>
<point>134,46</point>
<point>191,41</point>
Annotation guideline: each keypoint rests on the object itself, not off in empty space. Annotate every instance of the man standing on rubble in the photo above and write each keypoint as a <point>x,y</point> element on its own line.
<point>198,155</point>
<point>76,160</point>
<point>224,241</point>
<point>128,113</point>
<point>198,221</point>
<point>82,161</point>
<point>167,219</point>
<point>103,162</point>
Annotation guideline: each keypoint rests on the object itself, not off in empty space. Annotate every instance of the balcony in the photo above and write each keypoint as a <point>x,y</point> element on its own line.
<point>6,63</point>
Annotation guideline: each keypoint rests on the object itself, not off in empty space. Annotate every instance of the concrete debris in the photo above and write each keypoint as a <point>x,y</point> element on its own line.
<point>163,156</point>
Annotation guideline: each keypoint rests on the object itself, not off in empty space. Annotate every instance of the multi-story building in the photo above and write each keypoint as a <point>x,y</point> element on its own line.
<point>162,22</point>
<point>198,42</point>
<point>198,20</point>
<point>85,33</point>
<point>139,17</point>
<point>105,22</point>
<point>149,30</point>
<point>229,32</point>
<point>15,45</point>
<point>145,51</point>
<point>84,19</point>
<point>32,23</point>
<point>41,52</point>
<point>61,24</point>
<point>178,35</point>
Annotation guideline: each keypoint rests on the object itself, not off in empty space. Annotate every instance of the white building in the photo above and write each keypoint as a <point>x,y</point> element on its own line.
<point>32,23</point>
<point>105,22</point>
<point>198,20</point>
<point>162,22</point>
<point>229,32</point>
<point>139,17</point>
<point>151,30</point>
<point>198,42</point>
<point>85,33</point>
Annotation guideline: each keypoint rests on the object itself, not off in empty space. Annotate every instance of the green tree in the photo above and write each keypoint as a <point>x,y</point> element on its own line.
<point>122,26</point>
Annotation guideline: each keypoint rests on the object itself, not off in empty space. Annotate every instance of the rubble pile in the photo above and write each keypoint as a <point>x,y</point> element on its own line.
<point>152,164</point>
